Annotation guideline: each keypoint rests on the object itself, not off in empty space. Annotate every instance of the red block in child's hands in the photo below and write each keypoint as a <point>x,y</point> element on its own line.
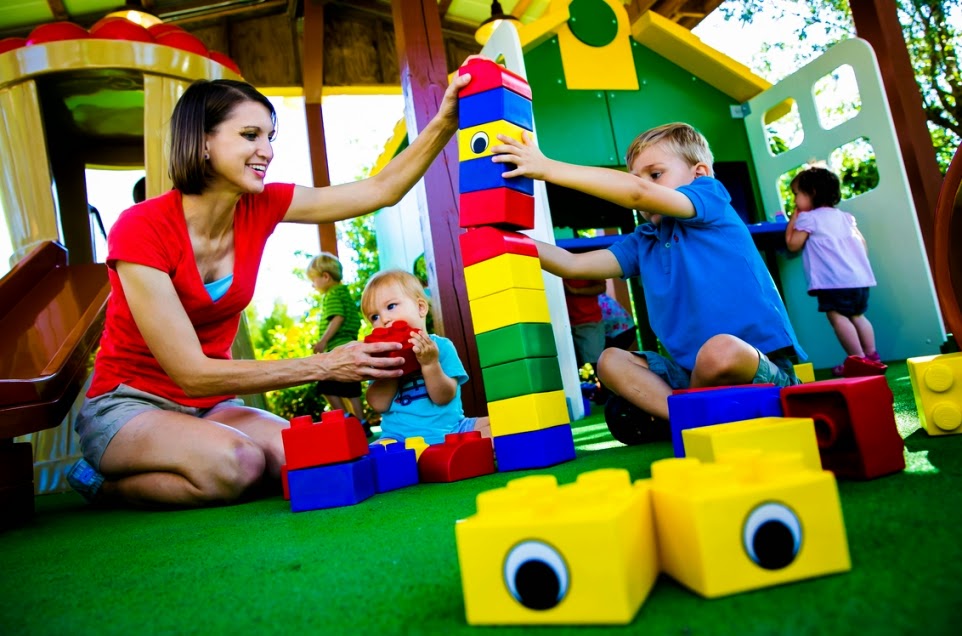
<point>399,332</point>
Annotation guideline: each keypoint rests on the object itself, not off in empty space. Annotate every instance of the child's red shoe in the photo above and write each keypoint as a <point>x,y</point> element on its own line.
<point>856,366</point>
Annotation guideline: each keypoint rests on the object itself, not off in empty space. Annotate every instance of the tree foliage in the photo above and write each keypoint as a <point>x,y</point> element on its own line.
<point>931,39</point>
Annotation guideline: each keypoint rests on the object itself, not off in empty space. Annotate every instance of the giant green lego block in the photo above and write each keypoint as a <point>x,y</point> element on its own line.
<point>521,377</point>
<point>516,342</point>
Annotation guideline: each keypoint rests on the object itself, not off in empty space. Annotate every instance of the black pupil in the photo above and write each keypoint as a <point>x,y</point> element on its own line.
<point>774,545</point>
<point>479,143</point>
<point>538,585</point>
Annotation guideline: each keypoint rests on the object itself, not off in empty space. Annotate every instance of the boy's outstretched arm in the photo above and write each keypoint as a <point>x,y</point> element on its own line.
<point>621,188</point>
<point>593,265</point>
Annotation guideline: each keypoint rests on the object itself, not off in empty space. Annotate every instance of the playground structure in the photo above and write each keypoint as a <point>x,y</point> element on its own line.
<point>66,104</point>
<point>92,101</point>
<point>598,83</point>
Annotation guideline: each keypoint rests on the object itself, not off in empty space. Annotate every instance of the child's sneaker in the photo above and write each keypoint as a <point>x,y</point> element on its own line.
<point>874,357</point>
<point>84,479</point>
<point>856,366</point>
<point>839,371</point>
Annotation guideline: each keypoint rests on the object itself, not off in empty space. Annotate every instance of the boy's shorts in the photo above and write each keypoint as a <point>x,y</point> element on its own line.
<point>101,417</point>
<point>776,368</point>
<point>848,302</point>
<point>466,425</point>
<point>339,389</point>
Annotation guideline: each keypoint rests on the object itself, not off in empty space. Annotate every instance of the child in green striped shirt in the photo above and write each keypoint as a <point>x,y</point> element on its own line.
<point>340,322</point>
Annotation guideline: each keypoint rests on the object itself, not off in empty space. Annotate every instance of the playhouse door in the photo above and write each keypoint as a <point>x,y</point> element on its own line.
<point>903,307</point>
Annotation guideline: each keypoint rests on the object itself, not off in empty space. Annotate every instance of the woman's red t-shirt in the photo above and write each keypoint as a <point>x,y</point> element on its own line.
<point>154,233</point>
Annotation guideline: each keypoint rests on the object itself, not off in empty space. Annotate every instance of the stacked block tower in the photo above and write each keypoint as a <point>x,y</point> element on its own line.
<point>516,346</point>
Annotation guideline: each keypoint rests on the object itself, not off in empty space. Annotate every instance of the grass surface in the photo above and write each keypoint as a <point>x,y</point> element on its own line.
<point>389,565</point>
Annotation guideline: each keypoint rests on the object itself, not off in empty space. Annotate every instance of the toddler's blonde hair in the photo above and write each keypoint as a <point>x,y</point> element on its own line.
<point>681,139</point>
<point>325,263</point>
<point>406,281</point>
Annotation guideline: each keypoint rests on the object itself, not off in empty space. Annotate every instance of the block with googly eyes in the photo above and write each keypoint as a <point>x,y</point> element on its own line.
<point>477,141</point>
<point>537,553</point>
<point>748,521</point>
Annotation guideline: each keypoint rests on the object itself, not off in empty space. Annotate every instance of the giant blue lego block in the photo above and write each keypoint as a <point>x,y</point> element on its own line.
<point>534,449</point>
<point>483,173</point>
<point>719,406</point>
<point>395,466</point>
<point>331,486</point>
<point>498,103</point>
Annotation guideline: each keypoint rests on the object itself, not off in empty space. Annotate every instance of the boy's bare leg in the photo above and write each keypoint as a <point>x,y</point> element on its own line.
<point>627,375</point>
<point>337,404</point>
<point>866,334</point>
<point>355,408</point>
<point>847,334</point>
<point>724,361</point>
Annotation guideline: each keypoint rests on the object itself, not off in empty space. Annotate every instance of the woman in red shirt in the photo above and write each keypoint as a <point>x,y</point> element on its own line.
<point>161,424</point>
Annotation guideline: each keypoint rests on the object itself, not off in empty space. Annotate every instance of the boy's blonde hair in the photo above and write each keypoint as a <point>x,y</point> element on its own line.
<point>325,263</point>
<point>680,139</point>
<point>406,281</point>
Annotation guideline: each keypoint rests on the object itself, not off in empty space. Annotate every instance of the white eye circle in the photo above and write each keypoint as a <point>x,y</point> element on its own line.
<point>772,536</point>
<point>479,142</point>
<point>536,575</point>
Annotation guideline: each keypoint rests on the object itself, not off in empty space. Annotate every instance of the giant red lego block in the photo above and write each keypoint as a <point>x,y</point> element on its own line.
<point>854,423</point>
<point>484,243</point>
<point>502,207</point>
<point>461,456</point>
<point>400,332</point>
<point>486,74</point>
<point>332,440</point>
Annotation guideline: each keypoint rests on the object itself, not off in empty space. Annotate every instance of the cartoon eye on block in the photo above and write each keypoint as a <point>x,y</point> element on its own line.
<point>525,561</point>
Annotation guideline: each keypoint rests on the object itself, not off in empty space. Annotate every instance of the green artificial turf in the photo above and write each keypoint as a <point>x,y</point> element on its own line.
<point>389,564</point>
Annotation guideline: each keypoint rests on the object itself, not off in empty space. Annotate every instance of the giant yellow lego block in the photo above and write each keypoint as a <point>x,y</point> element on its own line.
<point>805,372</point>
<point>937,386</point>
<point>509,307</point>
<point>750,521</point>
<point>476,141</point>
<point>537,553</point>
<point>779,434</point>
<point>531,412</point>
<point>416,443</point>
<point>502,273</point>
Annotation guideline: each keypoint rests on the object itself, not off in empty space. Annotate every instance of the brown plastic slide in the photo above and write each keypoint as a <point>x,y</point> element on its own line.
<point>948,247</point>
<point>51,318</point>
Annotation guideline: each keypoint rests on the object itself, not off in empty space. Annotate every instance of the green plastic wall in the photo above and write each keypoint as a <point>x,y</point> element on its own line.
<point>596,127</point>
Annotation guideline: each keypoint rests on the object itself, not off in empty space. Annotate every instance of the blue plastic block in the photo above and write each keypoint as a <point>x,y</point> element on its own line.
<point>534,449</point>
<point>332,485</point>
<point>394,466</point>
<point>483,173</point>
<point>720,406</point>
<point>498,103</point>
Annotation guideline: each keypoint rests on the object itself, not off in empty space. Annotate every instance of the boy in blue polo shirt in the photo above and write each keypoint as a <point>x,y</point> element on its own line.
<point>711,301</point>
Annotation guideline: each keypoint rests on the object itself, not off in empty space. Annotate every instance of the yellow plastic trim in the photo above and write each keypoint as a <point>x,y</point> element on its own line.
<point>679,45</point>
<point>544,28</point>
<point>609,67</point>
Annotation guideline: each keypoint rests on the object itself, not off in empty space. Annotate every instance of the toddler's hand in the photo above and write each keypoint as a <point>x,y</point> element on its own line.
<point>320,347</point>
<point>425,349</point>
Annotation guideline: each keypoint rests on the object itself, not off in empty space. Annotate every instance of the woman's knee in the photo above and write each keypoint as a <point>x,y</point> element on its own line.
<point>240,464</point>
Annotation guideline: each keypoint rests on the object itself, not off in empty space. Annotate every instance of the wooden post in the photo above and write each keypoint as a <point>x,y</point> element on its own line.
<point>421,61</point>
<point>313,61</point>
<point>877,22</point>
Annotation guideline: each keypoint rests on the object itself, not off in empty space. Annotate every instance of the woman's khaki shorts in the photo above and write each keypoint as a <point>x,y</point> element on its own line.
<point>101,417</point>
